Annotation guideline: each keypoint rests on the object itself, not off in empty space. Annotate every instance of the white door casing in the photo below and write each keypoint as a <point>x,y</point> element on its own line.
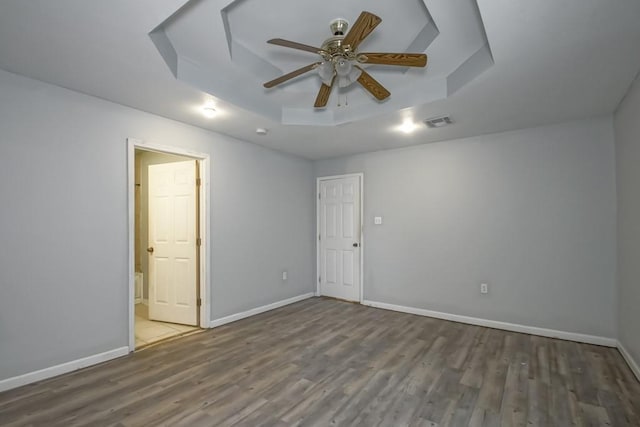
<point>172,243</point>
<point>340,237</point>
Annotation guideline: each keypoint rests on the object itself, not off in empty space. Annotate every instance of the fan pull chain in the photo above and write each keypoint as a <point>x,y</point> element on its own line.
<point>346,101</point>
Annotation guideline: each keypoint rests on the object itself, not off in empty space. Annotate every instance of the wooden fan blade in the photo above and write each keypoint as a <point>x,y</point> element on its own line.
<point>405,59</point>
<point>372,85</point>
<point>365,23</point>
<point>294,45</point>
<point>323,94</point>
<point>289,76</point>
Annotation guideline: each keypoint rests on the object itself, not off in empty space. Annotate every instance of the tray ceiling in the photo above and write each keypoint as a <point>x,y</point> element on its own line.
<point>550,62</point>
<point>233,65</point>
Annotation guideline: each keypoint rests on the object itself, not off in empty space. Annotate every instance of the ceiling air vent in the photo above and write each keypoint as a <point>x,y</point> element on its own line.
<point>438,122</point>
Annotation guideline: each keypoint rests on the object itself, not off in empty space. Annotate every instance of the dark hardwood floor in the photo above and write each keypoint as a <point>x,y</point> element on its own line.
<point>330,363</point>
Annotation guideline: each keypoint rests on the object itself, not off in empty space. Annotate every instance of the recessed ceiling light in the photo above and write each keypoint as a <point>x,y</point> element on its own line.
<point>407,126</point>
<point>209,112</point>
<point>262,131</point>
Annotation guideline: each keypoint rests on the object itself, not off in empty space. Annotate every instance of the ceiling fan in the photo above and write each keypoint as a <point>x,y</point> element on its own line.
<point>340,59</point>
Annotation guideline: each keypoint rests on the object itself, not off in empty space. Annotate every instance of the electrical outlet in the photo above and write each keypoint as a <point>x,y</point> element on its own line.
<point>484,288</point>
<point>284,275</point>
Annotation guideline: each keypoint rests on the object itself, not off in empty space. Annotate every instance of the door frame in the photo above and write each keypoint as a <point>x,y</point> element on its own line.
<point>204,220</point>
<point>360,177</point>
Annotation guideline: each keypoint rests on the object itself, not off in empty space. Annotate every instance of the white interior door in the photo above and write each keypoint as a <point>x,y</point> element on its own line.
<point>340,238</point>
<point>172,243</point>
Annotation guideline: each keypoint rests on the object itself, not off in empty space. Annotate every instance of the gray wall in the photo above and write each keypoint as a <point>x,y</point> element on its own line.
<point>627,131</point>
<point>63,222</point>
<point>530,212</point>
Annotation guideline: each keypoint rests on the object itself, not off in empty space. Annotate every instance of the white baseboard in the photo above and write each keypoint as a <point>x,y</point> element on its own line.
<point>63,368</point>
<point>31,377</point>
<point>238,316</point>
<point>513,327</point>
<point>627,357</point>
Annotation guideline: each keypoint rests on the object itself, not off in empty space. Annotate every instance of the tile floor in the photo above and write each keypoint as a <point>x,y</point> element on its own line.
<point>150,331</point>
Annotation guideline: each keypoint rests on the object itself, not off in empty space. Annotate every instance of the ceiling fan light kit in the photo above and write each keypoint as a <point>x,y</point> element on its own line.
<point>340,59</point>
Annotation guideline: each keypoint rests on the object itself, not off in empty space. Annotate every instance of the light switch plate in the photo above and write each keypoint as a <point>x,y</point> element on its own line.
<point>377,220</point>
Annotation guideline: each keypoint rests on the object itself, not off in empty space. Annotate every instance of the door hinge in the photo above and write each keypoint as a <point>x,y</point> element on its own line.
<point>318,196</point>
<point>319,279</point>
<point>319,237</point>
<point>198,182</point>
<point>198,241</point>
<point>199,302</point>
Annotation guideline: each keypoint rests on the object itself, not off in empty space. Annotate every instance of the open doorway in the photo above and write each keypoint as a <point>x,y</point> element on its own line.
<point>167,227</point>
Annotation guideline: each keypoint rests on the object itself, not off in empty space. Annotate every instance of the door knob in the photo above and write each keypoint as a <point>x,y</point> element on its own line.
<point>355,245</point>
<point>150,249</point>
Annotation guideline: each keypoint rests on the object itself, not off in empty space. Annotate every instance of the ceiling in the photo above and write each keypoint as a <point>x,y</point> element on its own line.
<point>233,64</point>
<point>548,63</point>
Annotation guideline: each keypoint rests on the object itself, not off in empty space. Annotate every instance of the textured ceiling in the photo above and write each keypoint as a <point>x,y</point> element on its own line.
<point>552,62</point>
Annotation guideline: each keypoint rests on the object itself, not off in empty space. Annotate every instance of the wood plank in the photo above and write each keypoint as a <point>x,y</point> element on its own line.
<point>326,362</point>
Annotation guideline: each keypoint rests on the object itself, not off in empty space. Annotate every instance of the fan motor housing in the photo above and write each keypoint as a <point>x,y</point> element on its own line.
<point>333,45</point>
